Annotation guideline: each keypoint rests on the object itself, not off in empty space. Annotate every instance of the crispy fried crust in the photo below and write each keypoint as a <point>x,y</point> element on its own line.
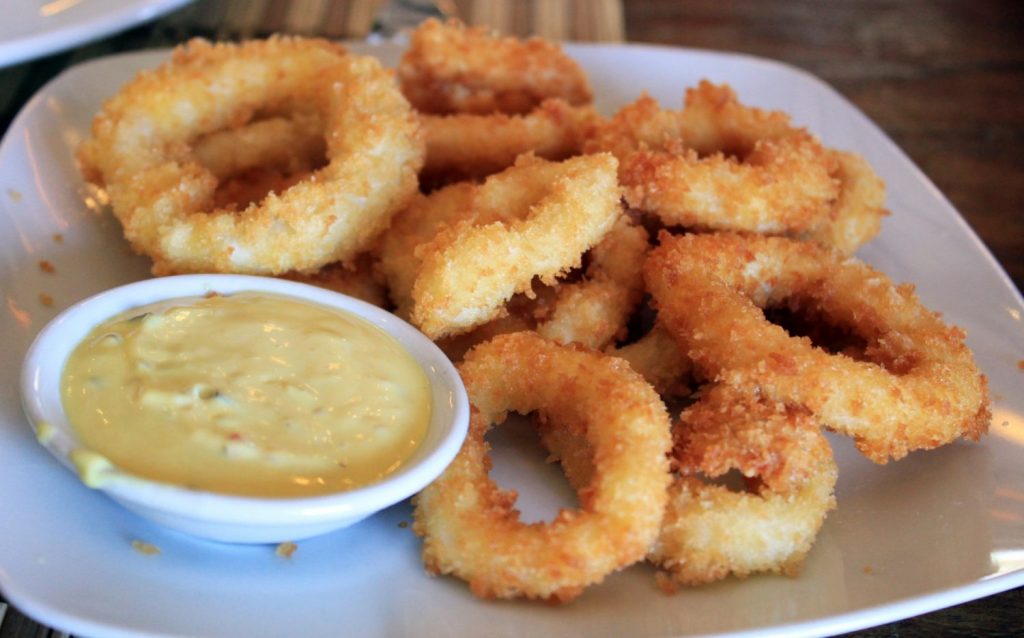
<point>289,144</point>
<point>469,271</point>
<point>857,213</point>
<point>470,526</point>
<point>594,311</point>
<point>505,197</point>
<point>917,386</point>
<point>451,68</point>
<point>591,311</point>
<point>710,531</point>
<point>142,151</point>
<point>720,165</point>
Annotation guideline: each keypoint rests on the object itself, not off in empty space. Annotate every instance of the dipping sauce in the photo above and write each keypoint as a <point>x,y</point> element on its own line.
<point>248,394</point>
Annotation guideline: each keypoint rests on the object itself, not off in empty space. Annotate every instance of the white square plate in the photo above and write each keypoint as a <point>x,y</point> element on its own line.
<point>935,529</point>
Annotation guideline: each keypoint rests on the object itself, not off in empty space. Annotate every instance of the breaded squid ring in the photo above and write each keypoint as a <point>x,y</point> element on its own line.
<point>470,527</point>
<point>469,272</point>
<point>163,196</point>
<point>504,197</point>
<point>915,387</point>
<point>591,311</point>
<point>470,145</point>
<point>451,68</point>
<point>720,165</point>
<point>710,531</point>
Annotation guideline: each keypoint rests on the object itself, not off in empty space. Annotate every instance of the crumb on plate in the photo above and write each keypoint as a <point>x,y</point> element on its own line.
<point>147,549</point>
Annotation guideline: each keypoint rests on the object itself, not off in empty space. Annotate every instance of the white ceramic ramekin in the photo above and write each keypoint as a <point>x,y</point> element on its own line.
<point>235,518</point>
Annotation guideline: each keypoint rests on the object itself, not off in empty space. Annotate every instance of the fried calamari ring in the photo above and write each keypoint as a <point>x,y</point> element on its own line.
<point>777,188</point>
<point>470,526</point>
<point>720,165</point>
<point>857,214</point>
<point>504,197</point>
<point>471,145</point>
<point>710,531</point>
<point>916,385</point>
<point>451,68</point>
<point>468,272</point>
<point>612,275</point>
<point>591,311</point>
<point>712,121</point>
<point>142,147</point>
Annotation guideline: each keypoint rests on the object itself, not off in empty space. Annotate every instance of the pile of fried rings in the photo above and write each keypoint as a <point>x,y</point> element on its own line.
<point>583,270</point>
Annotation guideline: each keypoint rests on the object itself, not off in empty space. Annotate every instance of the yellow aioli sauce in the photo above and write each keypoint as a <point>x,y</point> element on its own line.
<point>248,394</point>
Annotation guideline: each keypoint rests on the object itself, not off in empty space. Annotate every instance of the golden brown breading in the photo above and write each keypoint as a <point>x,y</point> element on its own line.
<point>469,271</point>
<point>451,68</point>
<point>917,386</point>
<point>471,528</point>
<point>141,150</point>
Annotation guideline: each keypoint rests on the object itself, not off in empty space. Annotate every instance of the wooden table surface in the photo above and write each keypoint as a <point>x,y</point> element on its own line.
<point>944,78</point>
